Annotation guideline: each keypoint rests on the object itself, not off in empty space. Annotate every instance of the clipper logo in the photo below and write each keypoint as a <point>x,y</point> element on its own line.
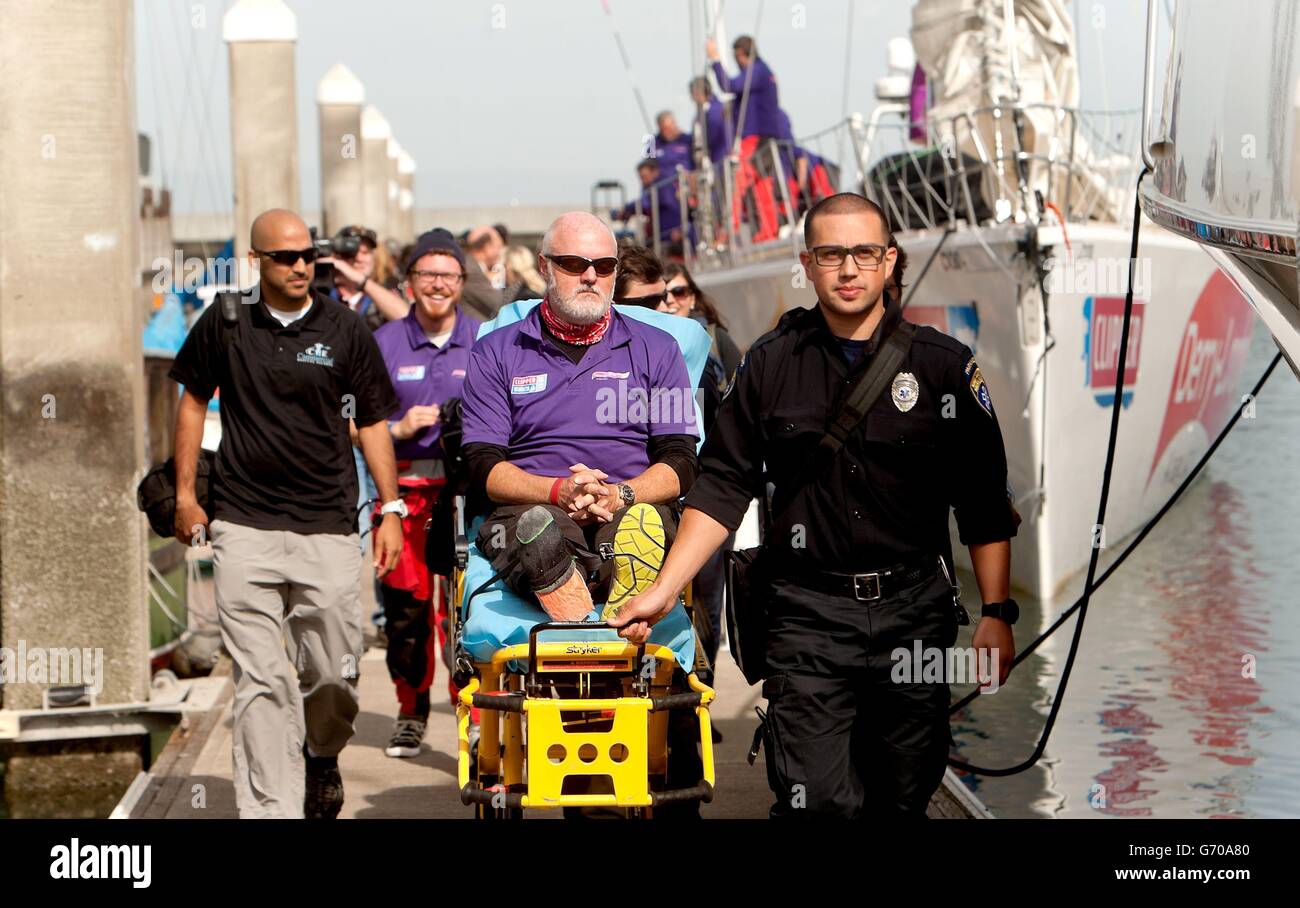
<point>528,384</point>
<point>318,354</point>
<point>1103,319</point>
<point>1203,395</point>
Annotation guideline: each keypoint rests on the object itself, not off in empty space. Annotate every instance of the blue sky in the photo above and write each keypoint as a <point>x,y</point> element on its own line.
<point>528,100</point>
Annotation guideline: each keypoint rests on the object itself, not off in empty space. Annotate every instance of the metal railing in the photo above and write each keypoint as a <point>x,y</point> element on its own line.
<point>992,164</point>
<point>1012,162</point>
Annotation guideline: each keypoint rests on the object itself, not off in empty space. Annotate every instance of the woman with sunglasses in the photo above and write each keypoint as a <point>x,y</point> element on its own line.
<point>687,299</point>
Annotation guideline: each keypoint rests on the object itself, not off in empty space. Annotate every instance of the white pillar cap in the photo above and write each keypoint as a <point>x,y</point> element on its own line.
<point>405,163</point>
<point>394,149</point>
<point>900,55</point>
<point>373,124</point>
<point>340,86</point>
<point>259,20</point>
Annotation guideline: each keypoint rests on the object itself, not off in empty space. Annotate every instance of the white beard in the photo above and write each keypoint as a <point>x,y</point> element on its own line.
<point>579,308</point>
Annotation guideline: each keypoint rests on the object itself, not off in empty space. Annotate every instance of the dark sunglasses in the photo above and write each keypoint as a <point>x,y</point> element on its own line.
<point>289,257</point>
<point>680,293</point>
<point>649,302</point>
<point>576,264</point>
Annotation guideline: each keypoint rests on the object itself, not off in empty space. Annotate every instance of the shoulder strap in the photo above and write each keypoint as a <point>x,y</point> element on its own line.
<point>230,306</point>
<point>860,398</point>
<point>867,388</point>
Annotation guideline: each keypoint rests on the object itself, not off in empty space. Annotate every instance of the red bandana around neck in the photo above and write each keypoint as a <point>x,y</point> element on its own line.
<point>583,335</point>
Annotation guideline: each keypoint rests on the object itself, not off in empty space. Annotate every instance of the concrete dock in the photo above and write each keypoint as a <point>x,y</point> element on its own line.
<point>192,778</point>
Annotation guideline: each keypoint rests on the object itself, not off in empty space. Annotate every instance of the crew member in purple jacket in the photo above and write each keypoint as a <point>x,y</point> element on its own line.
<point>426,354</point>
<point>672,146</point>
<point>717,123</point>
<point>668,226</point>
<point>757,111</point>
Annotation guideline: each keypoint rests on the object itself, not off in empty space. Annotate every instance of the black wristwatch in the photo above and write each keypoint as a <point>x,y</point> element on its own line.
<point>1007,610</point>
<point>625,492</point>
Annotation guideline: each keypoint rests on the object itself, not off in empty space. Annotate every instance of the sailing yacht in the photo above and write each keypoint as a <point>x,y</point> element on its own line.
<point>1015,208</point>
<point>1223,151</point>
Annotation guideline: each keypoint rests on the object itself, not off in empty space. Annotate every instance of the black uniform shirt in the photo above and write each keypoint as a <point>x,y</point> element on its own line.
<point>285,461</point>
<point>885,497</point>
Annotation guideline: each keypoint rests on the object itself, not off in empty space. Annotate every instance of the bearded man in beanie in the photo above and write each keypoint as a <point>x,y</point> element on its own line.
<point>426,354</point>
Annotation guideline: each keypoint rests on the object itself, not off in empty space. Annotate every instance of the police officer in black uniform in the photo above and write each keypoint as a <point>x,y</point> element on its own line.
<point>850,566</point>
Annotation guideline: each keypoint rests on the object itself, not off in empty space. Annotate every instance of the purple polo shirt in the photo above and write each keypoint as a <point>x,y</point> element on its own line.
<point>761,110</point>
<point>670,154</point>
<point>423,374</point>
<point>523,394</point>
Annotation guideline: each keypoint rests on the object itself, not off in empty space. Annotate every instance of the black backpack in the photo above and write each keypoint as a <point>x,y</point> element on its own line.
<point>156,493</point>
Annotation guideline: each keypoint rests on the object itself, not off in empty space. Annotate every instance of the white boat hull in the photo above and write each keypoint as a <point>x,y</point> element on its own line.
<point>1190,336</point>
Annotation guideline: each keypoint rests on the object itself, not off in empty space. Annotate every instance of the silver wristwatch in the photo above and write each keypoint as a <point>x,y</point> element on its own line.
<point>397,507</point>
<point>626,493</point>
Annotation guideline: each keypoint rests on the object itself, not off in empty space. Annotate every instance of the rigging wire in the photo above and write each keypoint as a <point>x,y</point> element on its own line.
<point>627,66</point>
<point>1146,530</point>
<point>1103,501</point>
<point>1093,582</point>
<point>848,66</point>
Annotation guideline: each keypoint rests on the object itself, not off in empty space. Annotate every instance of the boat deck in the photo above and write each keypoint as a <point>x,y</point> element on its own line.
<point>424,787</point>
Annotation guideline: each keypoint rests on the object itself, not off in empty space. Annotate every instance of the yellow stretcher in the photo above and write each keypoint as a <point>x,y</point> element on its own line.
<point>572,724</point>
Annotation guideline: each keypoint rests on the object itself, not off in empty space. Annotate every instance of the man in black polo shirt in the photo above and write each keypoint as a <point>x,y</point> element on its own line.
<point>292,370</point>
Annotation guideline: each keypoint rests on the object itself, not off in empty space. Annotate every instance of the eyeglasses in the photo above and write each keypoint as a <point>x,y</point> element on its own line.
<point>680,292</point>
<point>450,278</point>
<point>650,302</point>
<point>289,257</point>
<point>576,264</point>
<point>868,255</point>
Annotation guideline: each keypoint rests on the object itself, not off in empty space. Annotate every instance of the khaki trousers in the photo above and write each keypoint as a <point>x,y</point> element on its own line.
<point>294,686</point>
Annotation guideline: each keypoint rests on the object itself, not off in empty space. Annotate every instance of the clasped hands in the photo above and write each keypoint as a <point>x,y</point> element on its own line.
<point>586,497</point>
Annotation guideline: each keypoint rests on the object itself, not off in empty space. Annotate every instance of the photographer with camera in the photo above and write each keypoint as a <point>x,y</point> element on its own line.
<point>351,253</point>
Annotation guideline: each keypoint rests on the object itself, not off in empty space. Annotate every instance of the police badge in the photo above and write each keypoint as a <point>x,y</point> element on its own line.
<point>904,391</point>
<point>978,389</point>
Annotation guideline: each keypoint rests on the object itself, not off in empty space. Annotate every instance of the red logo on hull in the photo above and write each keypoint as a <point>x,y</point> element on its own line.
<point>1214,346</point>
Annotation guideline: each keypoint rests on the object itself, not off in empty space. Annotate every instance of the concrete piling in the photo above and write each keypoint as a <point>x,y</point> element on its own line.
<point>261,35</point>
<point>394,192</point>
<point>72,544</point>
<point>375,133</point>
<point>339,98</point>
<point>406,195</point>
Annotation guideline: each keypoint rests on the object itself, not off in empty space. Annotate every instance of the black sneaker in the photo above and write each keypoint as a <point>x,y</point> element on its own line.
<point>324,797</point>
<point>408,733</point>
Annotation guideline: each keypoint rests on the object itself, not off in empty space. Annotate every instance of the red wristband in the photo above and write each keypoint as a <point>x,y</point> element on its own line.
<point>555,490</point>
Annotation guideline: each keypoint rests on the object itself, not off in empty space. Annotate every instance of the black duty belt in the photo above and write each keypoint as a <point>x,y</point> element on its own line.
<point>872,585</point>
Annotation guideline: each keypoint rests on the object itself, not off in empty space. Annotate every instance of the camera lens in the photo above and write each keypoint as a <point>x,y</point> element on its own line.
<point>347,246</point>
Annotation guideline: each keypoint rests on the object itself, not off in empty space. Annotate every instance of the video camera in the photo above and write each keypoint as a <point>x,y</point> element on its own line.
<point>345,245</point>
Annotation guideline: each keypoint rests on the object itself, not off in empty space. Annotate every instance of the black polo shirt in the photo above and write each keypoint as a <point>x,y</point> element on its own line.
<point>885,498</point>
<point>285,461</point>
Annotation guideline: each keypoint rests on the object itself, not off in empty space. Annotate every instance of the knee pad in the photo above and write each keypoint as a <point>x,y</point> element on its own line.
<point>544,556</point>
